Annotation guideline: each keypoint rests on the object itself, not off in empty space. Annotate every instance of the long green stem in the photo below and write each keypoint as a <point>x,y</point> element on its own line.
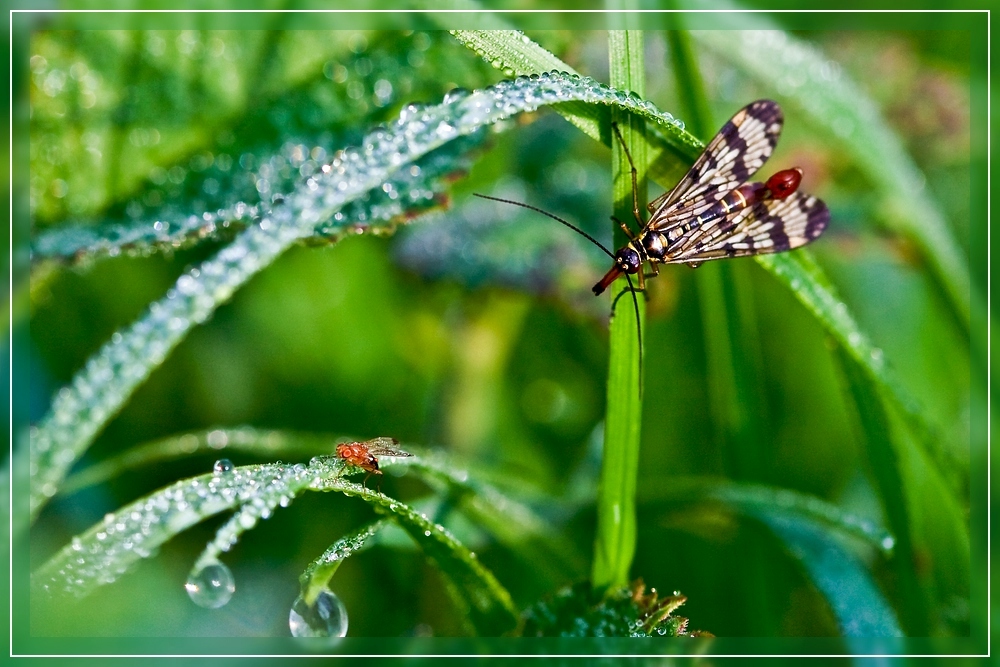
<point>616,529</point>
<point>732,349</point>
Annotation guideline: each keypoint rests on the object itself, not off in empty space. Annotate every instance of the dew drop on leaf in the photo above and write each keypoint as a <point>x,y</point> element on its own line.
<point>212,586</point>
<point>223,465</point>
<point>326,617</point>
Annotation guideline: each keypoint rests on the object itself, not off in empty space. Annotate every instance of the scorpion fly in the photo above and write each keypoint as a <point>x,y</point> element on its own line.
<point>714,212</point>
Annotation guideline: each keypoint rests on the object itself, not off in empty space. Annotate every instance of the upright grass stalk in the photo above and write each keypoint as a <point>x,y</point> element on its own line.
<point>615,541</point>
<point>732,347</point>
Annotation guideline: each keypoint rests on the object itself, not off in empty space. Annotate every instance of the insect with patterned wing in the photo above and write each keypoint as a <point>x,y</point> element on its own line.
<point>364,455</point>
<point>714,212</point>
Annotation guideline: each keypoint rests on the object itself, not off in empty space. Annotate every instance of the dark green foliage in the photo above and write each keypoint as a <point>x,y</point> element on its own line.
<point>580,611</point>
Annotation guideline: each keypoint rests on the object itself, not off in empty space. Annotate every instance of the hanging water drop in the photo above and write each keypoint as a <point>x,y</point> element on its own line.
<point>223,466</point>
<point>455,94</point>
<point>212,586</point>
<point>326,617</point>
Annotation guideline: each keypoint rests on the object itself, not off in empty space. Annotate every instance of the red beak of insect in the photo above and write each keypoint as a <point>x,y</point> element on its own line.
<point>608,278</point>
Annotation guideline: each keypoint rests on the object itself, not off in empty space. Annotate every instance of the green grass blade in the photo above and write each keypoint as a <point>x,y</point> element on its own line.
<point>733,352</point>
<point>668,147</point>
<point>515,54</point>
<point>614,546</point>
<point>317,575</point>
<point>810,285</point>
<point>102,553</point>
<point>690,86</point>
<point>881,447</point>
<point>732,343</point>
<point>405,196</point>
<point>812,531</point>
<point>482,599</point>
<point>109,548</point>
<point>858,605</point>
<point>513,523</point>
<point>242,440</point>
<point>751,500</point>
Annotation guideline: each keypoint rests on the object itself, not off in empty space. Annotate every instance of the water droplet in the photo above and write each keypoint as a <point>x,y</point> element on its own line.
<point>326,617</point>
<point>212,586</point>
<point>223,465</point>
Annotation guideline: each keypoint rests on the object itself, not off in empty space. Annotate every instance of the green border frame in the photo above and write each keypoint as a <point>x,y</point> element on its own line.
<point>977,644</point>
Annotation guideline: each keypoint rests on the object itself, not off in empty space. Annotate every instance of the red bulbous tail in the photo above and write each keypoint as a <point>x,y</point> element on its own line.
<point>608,278</point>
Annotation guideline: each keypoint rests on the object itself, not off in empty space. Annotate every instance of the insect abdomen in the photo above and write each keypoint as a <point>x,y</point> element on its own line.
<point>747,194</point>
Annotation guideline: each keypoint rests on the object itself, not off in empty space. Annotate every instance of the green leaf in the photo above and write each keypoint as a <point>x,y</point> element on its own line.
<point>105,551</point>
<point>482,600</point>
<point>513,50</point>
<point>316,577</point>
<point>244,440</point>
<point>512,522</point>
<point>813,289</point>
<point>755,499</point>
<point>690,86</point>
<point>882,447</point>
<point>614,546</point>
<point>859,606</point>
<point>582,611</point>
<point>811,530</point>
<point>406,195</point>
<point>733,352</point>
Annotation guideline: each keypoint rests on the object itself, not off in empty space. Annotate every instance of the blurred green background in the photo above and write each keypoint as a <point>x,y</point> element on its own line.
<point>473,329</point>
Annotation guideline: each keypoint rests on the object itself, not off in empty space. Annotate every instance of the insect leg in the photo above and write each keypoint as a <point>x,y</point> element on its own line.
<point>628,232</point>
<point>635,178</point>
<point>638,326</point>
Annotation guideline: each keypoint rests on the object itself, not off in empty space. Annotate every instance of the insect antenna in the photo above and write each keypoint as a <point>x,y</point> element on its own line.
<point>638,327</point>
<point>631,289</point>
<point>554,217</point>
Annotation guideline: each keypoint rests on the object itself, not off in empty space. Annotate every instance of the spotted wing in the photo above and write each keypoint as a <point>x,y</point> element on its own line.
<point>740,148</point>
<point>768,226</point>
<point>385,447</point>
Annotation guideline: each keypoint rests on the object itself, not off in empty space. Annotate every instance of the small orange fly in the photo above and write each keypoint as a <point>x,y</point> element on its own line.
<point>363,455</point>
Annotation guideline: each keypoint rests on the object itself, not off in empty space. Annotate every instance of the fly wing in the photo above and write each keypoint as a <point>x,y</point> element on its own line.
<point>385,447</point>
<point>768,226</point>
<point>740,148</point>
